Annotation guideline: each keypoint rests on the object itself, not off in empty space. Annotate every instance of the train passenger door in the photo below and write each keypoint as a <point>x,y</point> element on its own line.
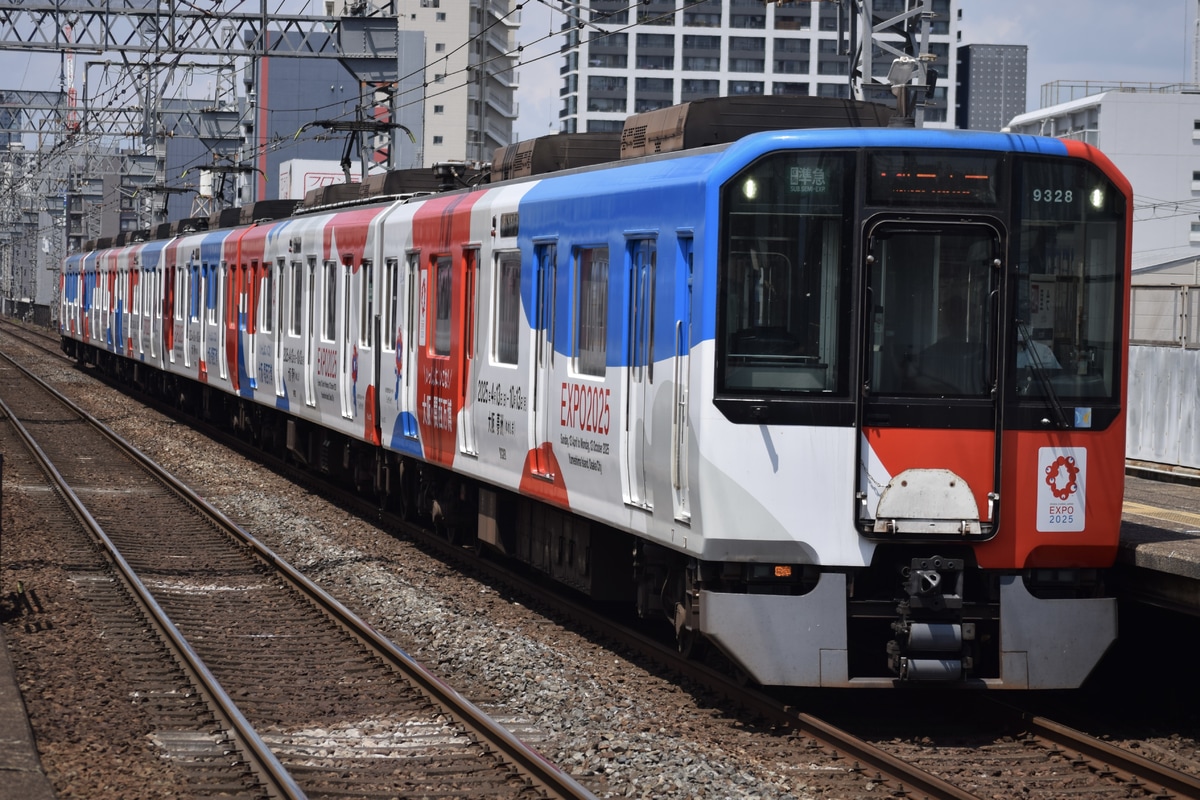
<point>414,338</point>
<point>137,308</point>
<point>545,269</point>
<point>249,323</point>
<point>639,372</point>
<point>466,428</point>
<point>347,348</point>
<point>225,312</point>
<point>679,401</point>
<point>193,306</point>
<point>310,331</point>
<point>930,418</point>
<point>275,285</point>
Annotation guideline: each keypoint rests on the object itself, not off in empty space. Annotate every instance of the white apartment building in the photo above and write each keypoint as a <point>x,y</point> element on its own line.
<point>468,96</point>
<point>622,58</point>
<point>1152,133</point>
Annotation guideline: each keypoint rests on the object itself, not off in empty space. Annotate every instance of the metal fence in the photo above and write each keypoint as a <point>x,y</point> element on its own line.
<point>1166,315</point>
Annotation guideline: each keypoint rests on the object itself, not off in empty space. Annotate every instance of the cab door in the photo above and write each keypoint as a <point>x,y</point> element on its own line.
<point>929,416</point>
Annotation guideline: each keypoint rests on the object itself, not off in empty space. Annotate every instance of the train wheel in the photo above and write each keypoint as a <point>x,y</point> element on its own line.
<point>691,643</point>
<point>404,499</point>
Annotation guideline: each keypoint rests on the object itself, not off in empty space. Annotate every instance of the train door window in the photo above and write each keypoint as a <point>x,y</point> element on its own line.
<point>268,302</point>
<point>329,289</point>
<point>181,286</point>
<point>591,310</point>
<point>506,327</point>
<point>171,310</point>
<point>643,259</point>
<point>249,297</point>
<point>210,298</point>
<point>153,309</point>
<point>225,311</point>
<point>470,288</point>
<point>931,316</point>
<point>366,306</point>
<point>391,295</point>
<point>296,313</point>
<point>442,305</point>
<point>784,276</point>
<point>195,293</point>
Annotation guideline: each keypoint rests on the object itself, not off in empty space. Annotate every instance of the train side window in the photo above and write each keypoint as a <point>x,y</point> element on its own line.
<point>506,325</point>
<point>591,307</point>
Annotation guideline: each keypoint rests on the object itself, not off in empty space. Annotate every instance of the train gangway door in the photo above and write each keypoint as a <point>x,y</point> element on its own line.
<point>929,418</point>
<point>546,256</point>
<point>348,351</point>
<point>466,428</point>
<point>639,370</point>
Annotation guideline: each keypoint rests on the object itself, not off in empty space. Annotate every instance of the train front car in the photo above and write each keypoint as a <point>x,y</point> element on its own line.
<point>915,468</point>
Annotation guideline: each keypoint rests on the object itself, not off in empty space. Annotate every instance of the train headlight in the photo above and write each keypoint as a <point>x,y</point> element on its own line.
<point>750,188</point>
<point>1097,198</point>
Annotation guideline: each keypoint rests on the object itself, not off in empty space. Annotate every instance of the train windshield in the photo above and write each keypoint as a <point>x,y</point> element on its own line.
<point>1070,240</point>
<point>783,280</point>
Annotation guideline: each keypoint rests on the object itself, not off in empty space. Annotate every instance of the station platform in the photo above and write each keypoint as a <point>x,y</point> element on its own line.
<point>1159,558</point>
<point>21,776</point>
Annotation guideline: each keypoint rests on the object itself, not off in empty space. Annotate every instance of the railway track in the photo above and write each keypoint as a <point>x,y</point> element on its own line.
<point>318,704</point>
<point>1018,753</point>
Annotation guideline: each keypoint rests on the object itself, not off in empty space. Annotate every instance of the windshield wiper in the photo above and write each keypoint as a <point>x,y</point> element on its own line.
<point>1038,367</point>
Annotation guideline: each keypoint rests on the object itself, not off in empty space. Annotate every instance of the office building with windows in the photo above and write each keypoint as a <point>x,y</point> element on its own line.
<point>622,59</point>
<point>991,85</point>
<point>470,82</point>
<point>1151,132</point>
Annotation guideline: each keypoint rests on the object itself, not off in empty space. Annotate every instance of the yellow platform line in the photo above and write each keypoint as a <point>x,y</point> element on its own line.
<point>1153,512</point>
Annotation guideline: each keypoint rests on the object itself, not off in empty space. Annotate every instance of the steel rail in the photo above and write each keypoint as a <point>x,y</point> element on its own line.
<point>277,781</point>
<point>540,770</point>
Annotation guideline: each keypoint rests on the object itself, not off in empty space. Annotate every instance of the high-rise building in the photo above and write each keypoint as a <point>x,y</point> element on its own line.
<point>469,87</point>
<point>622,59</point>
<point>991,85</point>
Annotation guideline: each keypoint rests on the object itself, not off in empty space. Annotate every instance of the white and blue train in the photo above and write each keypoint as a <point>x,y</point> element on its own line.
<point>847,404</point>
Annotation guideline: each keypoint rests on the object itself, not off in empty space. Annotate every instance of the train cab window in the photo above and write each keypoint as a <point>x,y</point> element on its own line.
<point>1068,304</point>
<point>784,277</point>
<point>507,314</point>
<point>591,306</point>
